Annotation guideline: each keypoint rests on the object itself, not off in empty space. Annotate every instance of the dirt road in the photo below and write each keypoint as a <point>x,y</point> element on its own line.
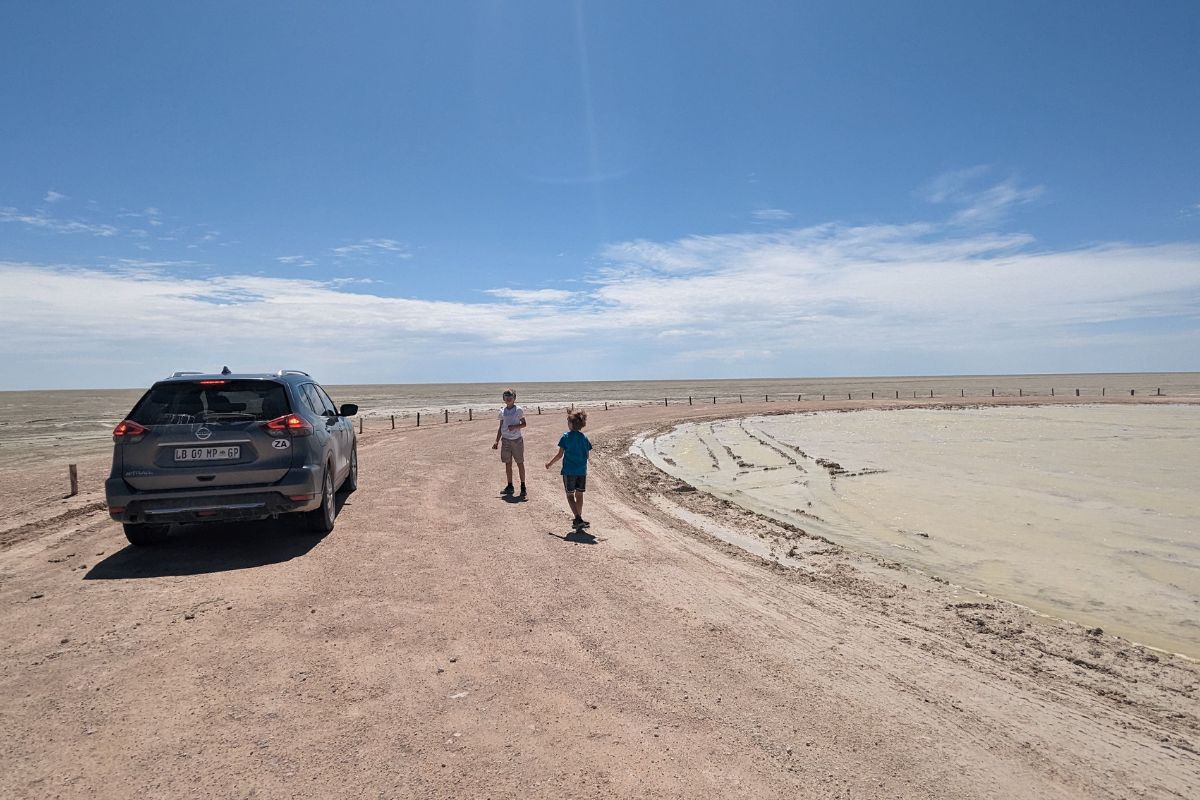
<point>445,643</point>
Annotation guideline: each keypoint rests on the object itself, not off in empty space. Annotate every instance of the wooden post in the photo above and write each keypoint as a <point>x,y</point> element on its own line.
<point>664,402</point>
<point>931,392</point>
<point>393,422</point>
<point>470,414</point>
<point>848,397</point>
<point>418,419</point>
<point>822,397</point>
<point>446,413</point>
<point>360,423</point>
<point>539,411</point>
<point>1160,391</point>
<point>689,399</point>
<point>714,401</point>
<point>962,392</point>
<point>739,398</point>
<point>872,395</point>
<point>1102,391</point>
<point>606,405</point>
<point>993,392</point>
<point>798,397</point>
<point>1077,393</point>
<point>1052,392</point>
<point>766,398</point>
<point>73,472</point>
<point>897,394</point>
<point>1131,391</point>
<point>1020,392</point>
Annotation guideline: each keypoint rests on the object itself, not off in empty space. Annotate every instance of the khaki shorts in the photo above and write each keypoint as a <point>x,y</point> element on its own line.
<point>512,450</point>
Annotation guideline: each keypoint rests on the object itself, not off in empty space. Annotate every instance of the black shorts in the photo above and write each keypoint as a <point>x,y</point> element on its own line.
<point>575,483</point>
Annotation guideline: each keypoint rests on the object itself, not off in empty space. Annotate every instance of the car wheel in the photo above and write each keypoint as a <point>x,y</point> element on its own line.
<point>145,535</point>
<point>351,482</point>
<point>320,520</point>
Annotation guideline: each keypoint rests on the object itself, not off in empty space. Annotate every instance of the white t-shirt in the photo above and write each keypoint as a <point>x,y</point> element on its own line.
<point>511,416</point>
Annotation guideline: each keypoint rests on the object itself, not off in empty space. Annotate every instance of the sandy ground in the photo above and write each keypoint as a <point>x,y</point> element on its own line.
<point>443,642</point>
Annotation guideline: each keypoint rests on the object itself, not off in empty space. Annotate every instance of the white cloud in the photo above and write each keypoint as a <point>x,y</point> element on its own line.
<point>771,214</point>
<point>532,295</point>
<point>367,247</point>
<point>980,204</point>
<point>43,221</point>
<point>296,261</point>
<point>830,298</point>
<point>53,196</point>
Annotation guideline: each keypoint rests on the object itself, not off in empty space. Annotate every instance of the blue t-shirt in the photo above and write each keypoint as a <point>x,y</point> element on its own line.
<point>575,452</point>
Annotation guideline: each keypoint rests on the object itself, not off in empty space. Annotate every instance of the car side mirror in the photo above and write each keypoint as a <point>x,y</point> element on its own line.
<point>348,410</point>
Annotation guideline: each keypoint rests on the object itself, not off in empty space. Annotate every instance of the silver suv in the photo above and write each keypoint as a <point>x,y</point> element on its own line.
<point>222,447</point>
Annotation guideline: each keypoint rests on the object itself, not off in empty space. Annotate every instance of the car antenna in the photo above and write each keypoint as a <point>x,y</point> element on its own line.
<point>226,371</point>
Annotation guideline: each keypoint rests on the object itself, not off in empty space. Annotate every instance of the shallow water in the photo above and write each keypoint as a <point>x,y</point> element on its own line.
<point>1090,513</point>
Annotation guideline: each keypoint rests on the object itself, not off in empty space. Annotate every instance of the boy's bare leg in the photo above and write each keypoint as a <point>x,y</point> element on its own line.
<point>508,471</point>
<point>520,469</point>
<point>577,507</point>
<point>571,503</point>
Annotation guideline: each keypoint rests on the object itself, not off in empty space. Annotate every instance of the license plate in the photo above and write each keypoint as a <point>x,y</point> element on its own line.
<point>207,453</point>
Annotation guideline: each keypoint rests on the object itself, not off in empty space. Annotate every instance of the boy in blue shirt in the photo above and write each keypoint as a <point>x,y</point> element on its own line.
<point>573,449</point>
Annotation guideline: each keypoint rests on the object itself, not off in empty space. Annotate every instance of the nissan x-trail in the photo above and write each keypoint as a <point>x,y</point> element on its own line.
<point>224,447</point>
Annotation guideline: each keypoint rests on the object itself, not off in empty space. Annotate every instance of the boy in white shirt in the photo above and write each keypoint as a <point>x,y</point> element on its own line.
<point>510,441</point>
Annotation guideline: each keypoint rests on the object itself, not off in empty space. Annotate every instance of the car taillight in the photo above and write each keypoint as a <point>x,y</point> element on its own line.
<point>291,424</point>
<point>128,431</point>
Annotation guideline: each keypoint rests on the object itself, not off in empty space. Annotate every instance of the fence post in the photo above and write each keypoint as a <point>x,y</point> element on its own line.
<point>798,397</point>
<point>1020,393</point>
<point>1077,393</point>
<point>872,395</point>
<point>360,423</point>
<point>1131,391</point>
<point>1052,391</point>
<point>664,402</point>
<point>931,392</point>
<point>539,411</point>
<point>606,405</point>
<point>962,392</point>
<point>822,397</point>
<point>393,422</point>
<point>993,392</point>
<point>73,472</point>
<point>714,401</point>
<point>446,412</point>
<point>1102,391</point>
<point>689,399</point>
<point>418,419</point>
<point>1160,391</point>
<point>739,398</point>
<point>470,415</point>
<point>848,397</point>
<point>766,398</point>
<point>897,394</point>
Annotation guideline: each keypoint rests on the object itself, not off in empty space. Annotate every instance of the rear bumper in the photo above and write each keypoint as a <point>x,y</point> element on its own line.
<point>300,490</point>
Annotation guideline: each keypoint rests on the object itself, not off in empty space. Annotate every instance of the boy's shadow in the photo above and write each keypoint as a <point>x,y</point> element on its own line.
<point>512,498</point>
<point>576,536</point>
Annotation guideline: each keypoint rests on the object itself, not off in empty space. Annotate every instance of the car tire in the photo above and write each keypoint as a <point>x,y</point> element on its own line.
<point>320,520</point>
<point>351,483</point>
<point>145,535</point>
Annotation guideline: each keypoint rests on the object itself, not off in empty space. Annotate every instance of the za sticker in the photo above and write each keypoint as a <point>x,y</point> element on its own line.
<point>280,444</point>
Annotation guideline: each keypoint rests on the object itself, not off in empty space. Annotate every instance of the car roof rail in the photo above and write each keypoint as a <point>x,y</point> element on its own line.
<point>181,374</point>
<point>283,372</point>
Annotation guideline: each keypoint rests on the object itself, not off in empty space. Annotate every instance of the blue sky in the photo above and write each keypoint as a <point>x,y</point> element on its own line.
<point>597,190</point>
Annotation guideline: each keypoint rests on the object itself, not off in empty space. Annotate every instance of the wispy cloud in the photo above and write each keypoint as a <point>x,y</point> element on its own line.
<point>980,201</point>
<point>771,215</point>
<point>43,221</point>
<point>296,261</point>
<point>53,197</point>
<point>532,295</point>
<point>369,247</point>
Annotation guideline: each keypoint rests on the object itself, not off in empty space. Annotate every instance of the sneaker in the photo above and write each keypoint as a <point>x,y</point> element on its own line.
<point>508,490</point>
<point>522,491</point>
<point>581,522</point>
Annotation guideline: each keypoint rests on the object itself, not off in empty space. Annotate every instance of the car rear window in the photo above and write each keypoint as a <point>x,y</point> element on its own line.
<point>182,402</point>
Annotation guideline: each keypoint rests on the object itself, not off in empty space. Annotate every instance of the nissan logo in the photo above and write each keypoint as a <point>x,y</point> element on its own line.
<point>203,433</point>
